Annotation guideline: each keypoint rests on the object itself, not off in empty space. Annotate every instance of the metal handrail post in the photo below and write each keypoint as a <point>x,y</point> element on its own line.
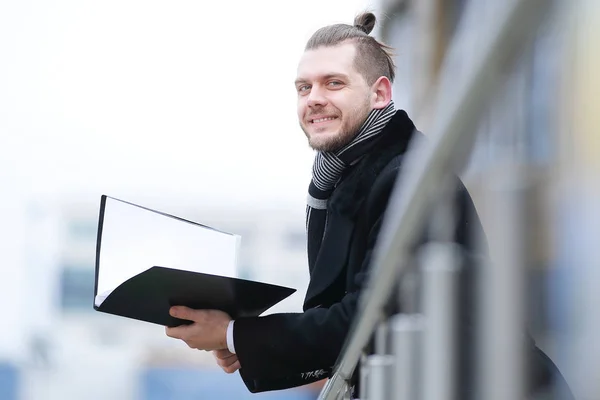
<point>406,338</point>
<point>441,263</point>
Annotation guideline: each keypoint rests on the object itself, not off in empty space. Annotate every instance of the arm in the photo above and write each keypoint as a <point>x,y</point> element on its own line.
<point>277,351</point>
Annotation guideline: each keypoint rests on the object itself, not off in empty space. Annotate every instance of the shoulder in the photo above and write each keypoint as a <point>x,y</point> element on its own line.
<point>383,185</point>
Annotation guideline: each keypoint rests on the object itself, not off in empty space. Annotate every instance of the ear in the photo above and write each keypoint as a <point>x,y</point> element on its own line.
<point>381,93</point>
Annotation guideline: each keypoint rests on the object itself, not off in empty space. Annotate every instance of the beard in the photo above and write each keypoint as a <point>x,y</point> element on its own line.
<point>350,125</point>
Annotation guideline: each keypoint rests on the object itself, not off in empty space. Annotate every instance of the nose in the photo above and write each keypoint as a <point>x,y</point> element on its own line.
<point>316,97</point>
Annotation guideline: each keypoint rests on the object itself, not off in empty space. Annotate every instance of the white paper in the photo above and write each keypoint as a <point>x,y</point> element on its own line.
<point>135,239</point>
<point>99,299</point>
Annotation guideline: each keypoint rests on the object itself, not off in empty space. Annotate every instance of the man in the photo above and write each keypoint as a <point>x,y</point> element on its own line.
<point>345,108</point>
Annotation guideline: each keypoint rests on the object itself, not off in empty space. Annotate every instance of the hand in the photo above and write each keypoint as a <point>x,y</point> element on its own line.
<point>227,361</point>
<point>208,331</point>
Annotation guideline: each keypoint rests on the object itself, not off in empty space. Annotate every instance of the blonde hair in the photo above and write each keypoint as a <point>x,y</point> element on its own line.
<point>373,58</point>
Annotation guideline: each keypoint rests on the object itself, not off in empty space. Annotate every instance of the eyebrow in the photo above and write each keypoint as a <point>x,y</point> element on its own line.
<point>325,77</point>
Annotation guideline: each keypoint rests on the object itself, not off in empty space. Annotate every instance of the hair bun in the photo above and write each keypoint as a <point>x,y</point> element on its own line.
<point>365,22</point>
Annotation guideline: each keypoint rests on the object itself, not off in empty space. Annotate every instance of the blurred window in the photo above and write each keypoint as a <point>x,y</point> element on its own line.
<point>77,288</point>
<point>83,230</point>
<point>295,240</point>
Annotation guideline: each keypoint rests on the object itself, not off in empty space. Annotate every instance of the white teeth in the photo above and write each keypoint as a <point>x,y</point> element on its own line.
<point>323,119</point>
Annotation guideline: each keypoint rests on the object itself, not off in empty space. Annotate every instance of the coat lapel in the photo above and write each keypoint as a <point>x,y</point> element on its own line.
<point>343,206</point>
<point>333,254</point>
<point>346,202</point>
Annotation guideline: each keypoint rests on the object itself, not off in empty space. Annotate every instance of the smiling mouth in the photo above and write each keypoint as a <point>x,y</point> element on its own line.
<point>319,120</point>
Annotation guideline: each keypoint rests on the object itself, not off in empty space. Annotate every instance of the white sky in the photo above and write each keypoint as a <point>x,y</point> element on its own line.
<point>128,97</point>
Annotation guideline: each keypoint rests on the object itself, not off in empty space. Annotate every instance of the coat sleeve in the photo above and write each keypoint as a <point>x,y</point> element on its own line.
<point>286,350</point>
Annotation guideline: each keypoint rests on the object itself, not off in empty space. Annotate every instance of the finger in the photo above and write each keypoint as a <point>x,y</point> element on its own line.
<point>174,332</point>
<point>179,332</point>
<point>183,312</point>
<point>232,368</point>
<point>226,362</point>
<point>222,354</point>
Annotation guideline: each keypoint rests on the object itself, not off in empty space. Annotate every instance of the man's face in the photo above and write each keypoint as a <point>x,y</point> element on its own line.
<point>333,98</point>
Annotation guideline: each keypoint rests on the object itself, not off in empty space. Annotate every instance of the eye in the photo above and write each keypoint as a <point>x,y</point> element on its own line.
<point>303,88</point>
<point>334,84</point>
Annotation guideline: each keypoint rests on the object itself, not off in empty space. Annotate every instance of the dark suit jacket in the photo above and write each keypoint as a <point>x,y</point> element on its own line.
<point>285,350</point>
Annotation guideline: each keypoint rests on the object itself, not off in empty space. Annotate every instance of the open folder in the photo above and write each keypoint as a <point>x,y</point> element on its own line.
<point>148,261</point>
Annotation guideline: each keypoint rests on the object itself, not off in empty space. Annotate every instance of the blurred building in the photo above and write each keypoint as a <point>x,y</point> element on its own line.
<point>60,348</point>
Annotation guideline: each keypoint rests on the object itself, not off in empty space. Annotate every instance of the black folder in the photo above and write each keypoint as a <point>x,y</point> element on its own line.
<point>148,295</point>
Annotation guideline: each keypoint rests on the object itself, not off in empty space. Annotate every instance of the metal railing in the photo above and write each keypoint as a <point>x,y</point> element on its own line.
<point>460,101</point>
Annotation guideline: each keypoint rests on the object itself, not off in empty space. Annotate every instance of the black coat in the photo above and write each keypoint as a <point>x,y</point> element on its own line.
<point>290,349</point>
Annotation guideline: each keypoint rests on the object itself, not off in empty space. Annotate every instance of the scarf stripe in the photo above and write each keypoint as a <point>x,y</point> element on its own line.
<point>371,128</point>
<point>328,168</point>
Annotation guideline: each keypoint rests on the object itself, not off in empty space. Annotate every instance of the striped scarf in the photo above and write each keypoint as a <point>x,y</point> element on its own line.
<point>328,167</point>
